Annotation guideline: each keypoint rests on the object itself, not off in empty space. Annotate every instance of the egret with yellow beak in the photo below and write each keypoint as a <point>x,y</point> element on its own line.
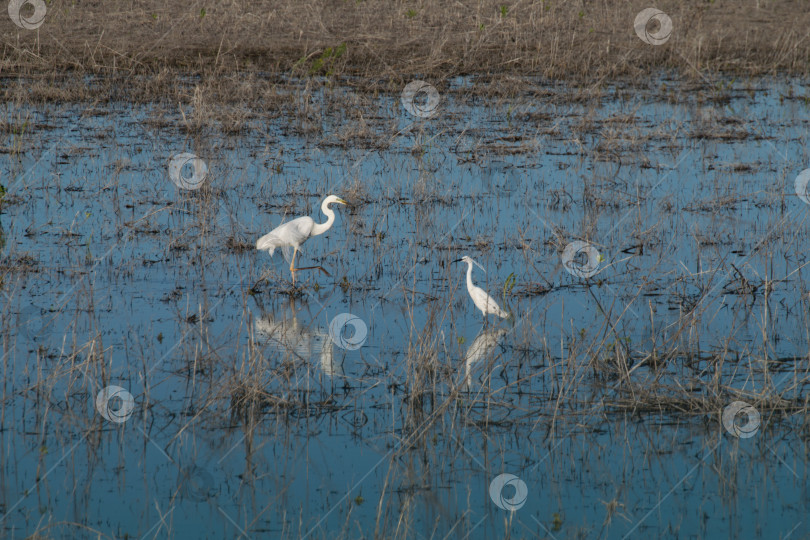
<point>296,232</point>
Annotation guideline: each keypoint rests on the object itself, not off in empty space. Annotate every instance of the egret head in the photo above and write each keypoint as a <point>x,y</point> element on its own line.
<point>469,260</point>
<point>333,199</point>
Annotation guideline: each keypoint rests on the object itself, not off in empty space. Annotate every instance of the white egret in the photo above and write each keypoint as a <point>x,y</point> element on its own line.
<point>296,232</point>
<point>480,298</point>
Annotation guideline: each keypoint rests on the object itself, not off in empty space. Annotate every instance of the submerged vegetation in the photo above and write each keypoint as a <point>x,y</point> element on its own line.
<point>696,301</point>
<point>636,210</point>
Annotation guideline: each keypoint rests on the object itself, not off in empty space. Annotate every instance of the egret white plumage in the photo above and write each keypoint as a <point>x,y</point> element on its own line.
<point>296,232</point>
<point>480,298</point>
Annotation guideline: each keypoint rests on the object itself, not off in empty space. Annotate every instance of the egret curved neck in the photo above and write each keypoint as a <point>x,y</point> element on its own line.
<point>469,276</point>
<point>321,228</point>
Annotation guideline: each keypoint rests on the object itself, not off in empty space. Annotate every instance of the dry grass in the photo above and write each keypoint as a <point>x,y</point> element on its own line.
<point>230,47</point>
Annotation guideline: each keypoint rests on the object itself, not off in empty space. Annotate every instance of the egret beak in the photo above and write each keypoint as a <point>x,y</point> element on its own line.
<point>341,201</point>
<point>457,260</point>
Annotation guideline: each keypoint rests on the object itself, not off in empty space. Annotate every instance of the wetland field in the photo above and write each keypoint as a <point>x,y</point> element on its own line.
<point>635,194</point>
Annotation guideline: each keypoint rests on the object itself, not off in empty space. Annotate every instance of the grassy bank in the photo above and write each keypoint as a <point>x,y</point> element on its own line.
<point>154,45</point>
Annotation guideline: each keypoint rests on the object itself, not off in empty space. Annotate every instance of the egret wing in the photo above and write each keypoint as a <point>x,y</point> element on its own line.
<point>287,253</point>
<point>493,307</point>
<point>485,302</point>
<point>287,235</point>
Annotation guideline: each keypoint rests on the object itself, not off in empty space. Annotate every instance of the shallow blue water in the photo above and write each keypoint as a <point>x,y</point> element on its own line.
<point>250,419</point>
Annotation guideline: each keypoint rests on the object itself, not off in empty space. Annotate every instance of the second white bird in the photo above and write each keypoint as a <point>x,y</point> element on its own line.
<point>480,298</point>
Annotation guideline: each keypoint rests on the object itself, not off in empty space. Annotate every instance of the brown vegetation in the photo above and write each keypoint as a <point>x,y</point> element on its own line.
<point>154,46</point>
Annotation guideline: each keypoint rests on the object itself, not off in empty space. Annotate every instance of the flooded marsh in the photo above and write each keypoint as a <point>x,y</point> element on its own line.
<point>163,378</point>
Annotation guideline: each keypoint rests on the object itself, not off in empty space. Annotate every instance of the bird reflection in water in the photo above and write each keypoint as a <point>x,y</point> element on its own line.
<point>481,348</point>
<point>306,341</point>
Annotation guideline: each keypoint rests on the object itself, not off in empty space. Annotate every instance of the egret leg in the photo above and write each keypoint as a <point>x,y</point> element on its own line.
<point>292,264</point>
<point>321,268</point>
<point>293,269</point>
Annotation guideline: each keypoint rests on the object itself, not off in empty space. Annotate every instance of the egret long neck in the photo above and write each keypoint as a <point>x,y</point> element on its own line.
<point>321,228</point>
<point>469,277</point>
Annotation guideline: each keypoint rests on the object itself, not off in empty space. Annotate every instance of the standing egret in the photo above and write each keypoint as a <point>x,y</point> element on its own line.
<point>480,298</point>
<point>296,232</point>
